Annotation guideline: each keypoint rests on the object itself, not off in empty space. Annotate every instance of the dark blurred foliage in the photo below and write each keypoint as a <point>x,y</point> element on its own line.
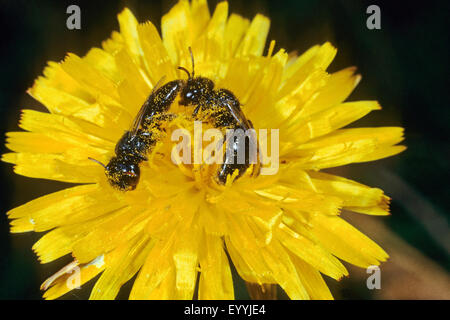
<point>405,66</point>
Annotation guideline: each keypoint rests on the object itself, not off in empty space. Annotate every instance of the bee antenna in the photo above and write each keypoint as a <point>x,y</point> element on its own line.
<point>190,75</point>
<point>192,59</point>
<point>96,161</point>
<point>185,70</point>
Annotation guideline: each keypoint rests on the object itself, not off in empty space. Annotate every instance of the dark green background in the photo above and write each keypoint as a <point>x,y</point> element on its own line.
<point>405,66</point>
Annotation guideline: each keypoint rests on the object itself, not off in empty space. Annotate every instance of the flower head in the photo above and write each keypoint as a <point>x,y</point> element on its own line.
<point>178,225</point>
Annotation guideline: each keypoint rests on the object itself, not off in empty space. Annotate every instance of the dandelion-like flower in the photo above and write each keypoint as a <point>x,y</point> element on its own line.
<point>178,224</point>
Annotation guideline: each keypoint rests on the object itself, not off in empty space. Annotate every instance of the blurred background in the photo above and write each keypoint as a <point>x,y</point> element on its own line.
<point>405,66</point>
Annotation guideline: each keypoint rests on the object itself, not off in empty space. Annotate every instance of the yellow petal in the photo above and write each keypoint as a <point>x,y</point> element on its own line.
<point>355,247</point>
<point>93,134</point>
<point>69,206</point>
<point>312,253</point>
<point>312,280</point>
<point>130,71</point>
<point>234,31</point>
<point>347,146</point>
<point>179,29</point>
<point>356,196</point>
<point>215,277</point>
<point>338,87</point>
<point>57,100</point>
<point>255,38</point>
<point>157,273</point>
<point>114,43</point>
<point>34,142</point>
<point>292,98</point>
<point>128,29</point>
<point>329,120</point>
<point>381,209</point>
<point>381,153</point>
<point>54,167</point>
<point>181,26</point>
<point>58,242</point>
<point>283,270</point>
<point>213,219</point>
<point>165,290</point>
<point>259,105</point>
<point>200,14</point>
<point>126,222</point>
<point>301,199</point>
<point>185,257</point>
<point>249,265</point>
<point>68,145</point>
<point>122,263</point>
<point>55,77</point>
<point>92,79</point>
<point>208,46</point>
<point>85,273</point>
<point>61,94</point>
<point>104,62</point>
<point>156,58</point>
<point>303,79</point>
<point>317,57</point>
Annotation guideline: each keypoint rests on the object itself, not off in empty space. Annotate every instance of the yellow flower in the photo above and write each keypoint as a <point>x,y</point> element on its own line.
<point>177,225</point>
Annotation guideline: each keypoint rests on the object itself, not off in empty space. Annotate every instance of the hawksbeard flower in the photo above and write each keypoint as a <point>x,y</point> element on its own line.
<point>179,225</point>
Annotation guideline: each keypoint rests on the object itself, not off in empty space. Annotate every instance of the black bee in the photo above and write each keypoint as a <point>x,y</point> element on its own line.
<point>221,106</point>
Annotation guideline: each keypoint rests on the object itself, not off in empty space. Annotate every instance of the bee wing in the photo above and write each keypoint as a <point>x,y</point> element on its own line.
<point>239,116</point>
<point>244,122</point>
<point>144,110</point>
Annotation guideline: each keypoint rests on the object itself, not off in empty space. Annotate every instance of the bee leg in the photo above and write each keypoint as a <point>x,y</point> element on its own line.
<point>194,114</point>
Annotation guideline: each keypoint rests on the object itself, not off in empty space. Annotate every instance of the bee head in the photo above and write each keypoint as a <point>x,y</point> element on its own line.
<point>123,173</point>
<point>195,89</point>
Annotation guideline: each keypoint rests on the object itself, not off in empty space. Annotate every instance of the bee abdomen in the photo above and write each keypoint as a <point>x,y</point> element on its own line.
<point>136,146</point>
<point>162,98</point>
